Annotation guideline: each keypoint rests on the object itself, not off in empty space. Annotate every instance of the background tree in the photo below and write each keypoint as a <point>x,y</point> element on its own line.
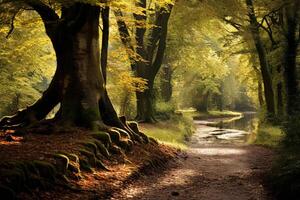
<point>146,48</point>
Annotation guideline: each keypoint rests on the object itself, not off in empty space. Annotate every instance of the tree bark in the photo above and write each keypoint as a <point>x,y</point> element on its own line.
<point>280,111</point>
<point>260,93</point>
<point>290,57</point>
<point>151,55</point>
<point>264,65</point>
<point>108,113</point>
<point>166,83</point>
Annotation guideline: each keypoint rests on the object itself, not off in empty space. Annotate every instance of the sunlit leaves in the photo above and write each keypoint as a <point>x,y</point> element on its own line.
<point>27,61</point>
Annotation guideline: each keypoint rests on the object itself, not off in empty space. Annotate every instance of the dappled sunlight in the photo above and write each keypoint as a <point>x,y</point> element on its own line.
<point>181,177</point>
<point>218,151</point>
<point>9,143</point>
<point>175,178</point>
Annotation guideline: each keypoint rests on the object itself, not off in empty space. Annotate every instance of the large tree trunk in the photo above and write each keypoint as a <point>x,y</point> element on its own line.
<point>264,65</point>
<point>78,54</point>
<point>290,63</point>
<point>78,84</point>
<point>145,104</point>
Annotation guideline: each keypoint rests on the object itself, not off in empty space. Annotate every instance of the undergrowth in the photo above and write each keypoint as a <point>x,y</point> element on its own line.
<point>174,132</point>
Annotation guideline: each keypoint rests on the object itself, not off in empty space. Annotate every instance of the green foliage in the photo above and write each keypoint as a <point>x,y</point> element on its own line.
<point>267,135</point>
<point>164,110</point>
<point>26,61</point>
<point>174,132</point>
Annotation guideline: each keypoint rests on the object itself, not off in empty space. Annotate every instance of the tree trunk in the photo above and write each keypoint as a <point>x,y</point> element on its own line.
<point>204,103</point>
<point>166,83</point>
<point>279,100</point>
<point>108,113</point>
<point>78,84</point>
<point>260,93</point>
<point>264,65</point>
<point>79,56</point>
<point>151,53</point>
<point>145,104</point>
<point>290,63</point>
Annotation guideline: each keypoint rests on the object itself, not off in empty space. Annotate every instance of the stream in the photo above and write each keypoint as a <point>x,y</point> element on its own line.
<point>229,130</point>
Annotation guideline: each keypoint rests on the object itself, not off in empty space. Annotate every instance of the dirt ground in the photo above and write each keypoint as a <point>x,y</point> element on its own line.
<point>208,171</point>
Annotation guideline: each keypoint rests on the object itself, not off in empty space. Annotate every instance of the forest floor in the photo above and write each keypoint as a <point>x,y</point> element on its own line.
<point>210,170</point>
<point>98,184</point>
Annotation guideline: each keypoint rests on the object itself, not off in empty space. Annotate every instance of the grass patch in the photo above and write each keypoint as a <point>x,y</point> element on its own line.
<point>267,135</point>
<point>174,132</point>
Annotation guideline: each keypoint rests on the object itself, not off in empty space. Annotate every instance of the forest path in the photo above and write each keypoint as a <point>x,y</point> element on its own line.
<point>211,169</point>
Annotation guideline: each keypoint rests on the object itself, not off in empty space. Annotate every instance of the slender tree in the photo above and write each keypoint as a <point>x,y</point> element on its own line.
<point>264,65</point>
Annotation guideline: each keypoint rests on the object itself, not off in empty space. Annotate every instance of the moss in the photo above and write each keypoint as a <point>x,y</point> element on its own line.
<point>91,146</point>
<point>62,162</point>
<point>115,150</point>
<point>123,133</point>
<point>102,149</point>
<point>103,137</point>
<point>89,155</point>
<point>115,135</point>
<point>89,116</point>
<point>84,165</point>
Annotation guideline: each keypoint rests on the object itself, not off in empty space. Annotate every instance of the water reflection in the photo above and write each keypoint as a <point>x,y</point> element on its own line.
<point>227,130</point>
<point>246,122</point>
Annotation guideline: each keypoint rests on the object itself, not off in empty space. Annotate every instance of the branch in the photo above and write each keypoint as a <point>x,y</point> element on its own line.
<point>47,14</point>
<point>155,33</point>
<point>268,30</point>
<point>162,42</point>
<point>140,22</point>
<point>123,30</point>
<point>12,25</point>
<point>236,25</point>
<point>125,37</point>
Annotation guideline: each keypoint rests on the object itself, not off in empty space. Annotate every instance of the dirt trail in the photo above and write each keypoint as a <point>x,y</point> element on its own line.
<point>210,170</point>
